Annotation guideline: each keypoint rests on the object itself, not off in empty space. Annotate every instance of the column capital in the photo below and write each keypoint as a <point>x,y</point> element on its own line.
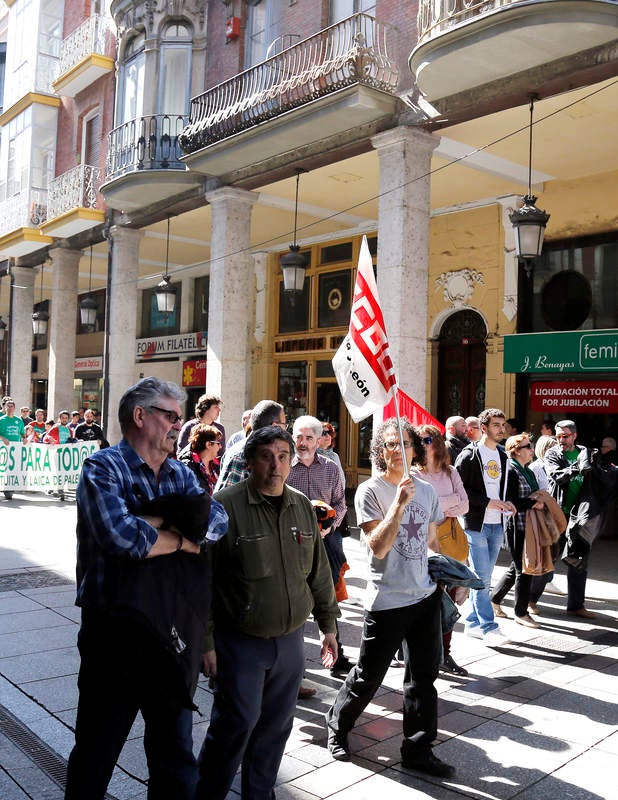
<point>121,233</point>
<point>230,193</point>
<point>404,135</point>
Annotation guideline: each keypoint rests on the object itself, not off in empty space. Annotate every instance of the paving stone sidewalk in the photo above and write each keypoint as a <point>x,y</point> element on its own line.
<point>535,720</point>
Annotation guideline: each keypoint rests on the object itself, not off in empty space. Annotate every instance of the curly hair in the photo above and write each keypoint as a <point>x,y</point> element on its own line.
<point>486,415</point>
<point>376,451</point>
<point>441,454</point>
<point>202,434</point>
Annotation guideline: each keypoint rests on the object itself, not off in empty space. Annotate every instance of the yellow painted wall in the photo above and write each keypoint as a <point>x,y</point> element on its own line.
<point>581,208</point>
<point>472,239</point>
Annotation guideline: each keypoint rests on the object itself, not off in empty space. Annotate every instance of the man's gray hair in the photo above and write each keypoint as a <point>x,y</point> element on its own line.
<point>307,421</point>
<point>568,424</point>
<point>265,413</point>
<point>146,394</point>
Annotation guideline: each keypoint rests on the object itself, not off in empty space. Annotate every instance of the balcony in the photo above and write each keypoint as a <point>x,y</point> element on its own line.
<point>20,217</point>
<point>467,44</point>
<point>85,55</point>
<point>143,163</point>
<point>72,204</point>
<point>332,82</point>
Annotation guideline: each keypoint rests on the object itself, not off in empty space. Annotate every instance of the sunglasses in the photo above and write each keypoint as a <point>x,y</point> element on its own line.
<point>427,440</point>
<point>525,446</point>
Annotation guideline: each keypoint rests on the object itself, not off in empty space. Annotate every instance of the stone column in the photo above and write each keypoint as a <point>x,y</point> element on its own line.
<point>62,322</point>
<point>122,323</point>
<point>20,355</point>
<point>403,250</point>
<point>230,308</point>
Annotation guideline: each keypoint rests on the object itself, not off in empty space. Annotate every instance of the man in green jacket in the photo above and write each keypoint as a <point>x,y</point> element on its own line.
<point>268,576</point>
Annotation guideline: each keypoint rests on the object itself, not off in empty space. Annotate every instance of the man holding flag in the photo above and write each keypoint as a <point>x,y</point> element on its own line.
<point>398,517</point>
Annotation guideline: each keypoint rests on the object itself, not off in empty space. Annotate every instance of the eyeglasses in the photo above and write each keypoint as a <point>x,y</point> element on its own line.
<point>390,446</point>
<point>427,440</point>
<point>172,416</point>
<point>525,446</point>
<point>326,433</point>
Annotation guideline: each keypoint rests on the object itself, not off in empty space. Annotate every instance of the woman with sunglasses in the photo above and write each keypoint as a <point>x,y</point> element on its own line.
<point>522,483</point>
<point>201,454</point>
<point>444,478</point>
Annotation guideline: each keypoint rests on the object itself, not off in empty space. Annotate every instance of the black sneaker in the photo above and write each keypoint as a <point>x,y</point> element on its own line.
<point>452,667</point>
<point>341,667</point>
<point>424,760</point>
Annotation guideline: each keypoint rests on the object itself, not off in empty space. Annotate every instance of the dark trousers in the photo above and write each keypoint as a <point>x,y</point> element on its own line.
<point>515,539</point>
<point>418,627</point>
<point>124,671</point>
<point>253,713</point>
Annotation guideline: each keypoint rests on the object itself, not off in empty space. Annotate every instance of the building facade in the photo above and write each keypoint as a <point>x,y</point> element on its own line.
<point>407,123</point>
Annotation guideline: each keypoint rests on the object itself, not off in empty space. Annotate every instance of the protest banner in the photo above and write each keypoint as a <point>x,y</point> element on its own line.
<point>42,467</point>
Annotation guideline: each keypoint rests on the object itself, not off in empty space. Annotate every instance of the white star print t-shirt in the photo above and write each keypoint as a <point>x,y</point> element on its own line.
<point>401,578</point>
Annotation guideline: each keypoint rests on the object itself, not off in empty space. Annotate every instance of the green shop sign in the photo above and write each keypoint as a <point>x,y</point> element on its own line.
<point>571,351</point>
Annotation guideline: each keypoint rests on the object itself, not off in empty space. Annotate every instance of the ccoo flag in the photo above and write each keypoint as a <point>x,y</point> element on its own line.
<point>362,364</point>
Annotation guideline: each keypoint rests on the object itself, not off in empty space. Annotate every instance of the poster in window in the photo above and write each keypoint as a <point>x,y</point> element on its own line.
<point>334,299</point>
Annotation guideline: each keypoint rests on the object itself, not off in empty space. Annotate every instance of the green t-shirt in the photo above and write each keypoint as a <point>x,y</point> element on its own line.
<point>575,484</point>
<point>12,428</point>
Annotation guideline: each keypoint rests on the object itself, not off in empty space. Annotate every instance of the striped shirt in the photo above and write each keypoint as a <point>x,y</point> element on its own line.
<point>114,484</point>
<point>321,480</point>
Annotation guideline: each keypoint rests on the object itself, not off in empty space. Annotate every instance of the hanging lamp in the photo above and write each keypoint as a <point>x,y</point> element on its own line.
<point>529,221</point>
<point>40,318</point>
<point>88,306</point>
<point>294,263</point>
<point>166,292</point>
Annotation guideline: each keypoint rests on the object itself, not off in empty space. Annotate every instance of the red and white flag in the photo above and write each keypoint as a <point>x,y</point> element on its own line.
<point>412,411</point>
<point>362,364</point>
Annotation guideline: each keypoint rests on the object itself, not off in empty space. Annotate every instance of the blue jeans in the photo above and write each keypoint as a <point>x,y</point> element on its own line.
<point>484,548</point>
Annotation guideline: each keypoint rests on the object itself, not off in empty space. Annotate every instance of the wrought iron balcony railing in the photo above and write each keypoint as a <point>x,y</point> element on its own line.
<point>76,188</point>
<point>438,16</point>
<point>94,36</point>
<point>145,143</point>
<point>351,52</point>
<point>28,209</point>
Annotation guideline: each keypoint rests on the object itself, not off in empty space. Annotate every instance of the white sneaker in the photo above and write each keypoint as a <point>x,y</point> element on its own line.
<point>553,589</point>
<point>495,638</point>
<point>474,631</point>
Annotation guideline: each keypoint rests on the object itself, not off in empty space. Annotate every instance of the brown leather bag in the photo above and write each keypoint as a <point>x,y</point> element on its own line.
<point>452,539</point>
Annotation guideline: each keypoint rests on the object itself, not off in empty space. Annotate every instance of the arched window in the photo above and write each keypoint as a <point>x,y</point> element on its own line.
<point>131,95</point>
<point>175,71</point>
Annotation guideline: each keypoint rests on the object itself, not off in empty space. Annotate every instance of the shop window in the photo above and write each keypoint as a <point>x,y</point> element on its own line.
<point>292,388</point>
<point>334,299</point>
<point>201,294</point>
<point>159,323</point>
<point>294,309</point>
<point>575,284</point>
<point>365,432</point>
<point>334,253</point>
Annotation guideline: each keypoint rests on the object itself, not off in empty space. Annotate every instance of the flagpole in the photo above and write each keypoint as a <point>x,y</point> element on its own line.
<point>400,429</point>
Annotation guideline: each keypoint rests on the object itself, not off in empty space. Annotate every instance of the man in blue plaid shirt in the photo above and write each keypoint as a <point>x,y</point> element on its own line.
<point>143,583</point>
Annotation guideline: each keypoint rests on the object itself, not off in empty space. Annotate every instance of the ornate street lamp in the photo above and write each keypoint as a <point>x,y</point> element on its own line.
<point>88,306</point>
<point>529,221</point>
<point>40,318</point>
<point>294,264</point>
<point>166,292</point>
